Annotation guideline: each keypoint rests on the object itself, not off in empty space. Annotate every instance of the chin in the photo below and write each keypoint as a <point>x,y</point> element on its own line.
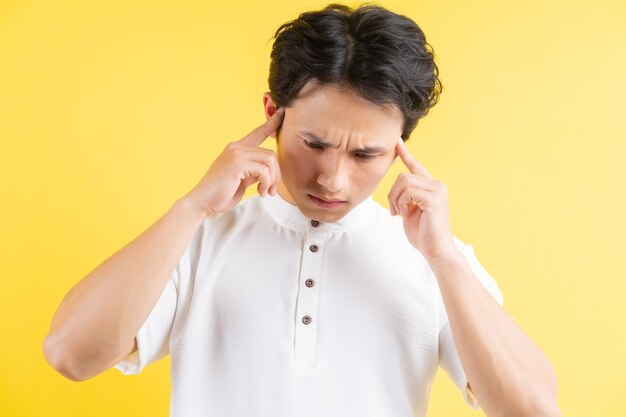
<point>326,216</point>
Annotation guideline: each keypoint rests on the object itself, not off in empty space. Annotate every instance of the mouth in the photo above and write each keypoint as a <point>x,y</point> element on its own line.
<point>326,203</point>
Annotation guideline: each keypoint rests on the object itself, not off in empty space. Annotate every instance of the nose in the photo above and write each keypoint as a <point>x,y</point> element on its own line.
<point>333,175</point>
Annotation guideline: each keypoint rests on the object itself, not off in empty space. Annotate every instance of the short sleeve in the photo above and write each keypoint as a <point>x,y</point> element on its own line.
<point>154,335</point>
<point>448,355</point>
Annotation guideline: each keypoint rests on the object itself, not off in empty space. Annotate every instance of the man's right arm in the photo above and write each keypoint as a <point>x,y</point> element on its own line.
<point>96,323</point>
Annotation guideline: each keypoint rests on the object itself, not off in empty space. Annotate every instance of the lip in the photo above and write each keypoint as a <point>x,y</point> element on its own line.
<point>324,203</point>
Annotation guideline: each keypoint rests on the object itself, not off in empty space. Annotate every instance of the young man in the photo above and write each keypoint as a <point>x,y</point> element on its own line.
<point>312,299</point>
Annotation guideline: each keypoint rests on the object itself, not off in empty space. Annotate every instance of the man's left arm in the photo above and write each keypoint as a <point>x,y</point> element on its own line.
<point>509,374</point>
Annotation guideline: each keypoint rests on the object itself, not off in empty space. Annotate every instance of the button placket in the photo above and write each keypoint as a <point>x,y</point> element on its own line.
<point>305,346</point>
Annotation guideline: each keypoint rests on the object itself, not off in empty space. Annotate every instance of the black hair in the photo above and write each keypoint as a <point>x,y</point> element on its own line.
<point>381,55</point>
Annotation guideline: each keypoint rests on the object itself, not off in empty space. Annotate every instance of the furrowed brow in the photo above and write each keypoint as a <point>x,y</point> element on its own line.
<point>319,141</point>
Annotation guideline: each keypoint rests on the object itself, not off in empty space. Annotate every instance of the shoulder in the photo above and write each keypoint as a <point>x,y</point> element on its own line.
<point>388,231</point>
<point>393,225</point>
<point>384,222</point>
<point>249,208</point>
<point>215,228</point>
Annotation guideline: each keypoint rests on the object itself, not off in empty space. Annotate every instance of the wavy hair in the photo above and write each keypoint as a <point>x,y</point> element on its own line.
<point>381,55</point>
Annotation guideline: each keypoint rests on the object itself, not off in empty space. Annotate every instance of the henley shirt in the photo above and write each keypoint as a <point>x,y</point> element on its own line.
<point>269,313</point>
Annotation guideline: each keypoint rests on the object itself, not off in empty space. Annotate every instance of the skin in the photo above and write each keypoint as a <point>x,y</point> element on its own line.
<point>509,374</point>
<point>347,122</point>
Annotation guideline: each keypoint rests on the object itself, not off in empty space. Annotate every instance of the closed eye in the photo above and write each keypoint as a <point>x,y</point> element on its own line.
<point>322,147</point>
<point>314,145</point>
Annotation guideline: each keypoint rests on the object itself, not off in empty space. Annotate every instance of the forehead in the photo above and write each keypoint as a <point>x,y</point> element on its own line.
<point>329,109</point>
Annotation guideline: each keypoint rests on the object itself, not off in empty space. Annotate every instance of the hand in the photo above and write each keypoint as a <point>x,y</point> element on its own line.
<point>423,203</point>
<point>240,164</point>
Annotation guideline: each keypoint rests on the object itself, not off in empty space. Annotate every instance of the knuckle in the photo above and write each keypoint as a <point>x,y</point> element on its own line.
<point>269,155</point>
<point>236,152</point>
<point>234,148</point>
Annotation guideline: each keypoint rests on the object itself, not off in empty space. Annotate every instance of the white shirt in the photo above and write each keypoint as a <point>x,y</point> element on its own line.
<point>268,315</point>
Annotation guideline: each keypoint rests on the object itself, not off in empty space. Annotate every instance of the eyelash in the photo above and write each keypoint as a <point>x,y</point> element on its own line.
<point>315,146</point>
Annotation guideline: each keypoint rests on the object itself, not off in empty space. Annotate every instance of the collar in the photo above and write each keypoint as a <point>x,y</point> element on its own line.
<point>289,215</point>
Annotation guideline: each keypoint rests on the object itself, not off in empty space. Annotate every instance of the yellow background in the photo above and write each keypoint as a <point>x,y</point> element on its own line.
<point>111,110</point>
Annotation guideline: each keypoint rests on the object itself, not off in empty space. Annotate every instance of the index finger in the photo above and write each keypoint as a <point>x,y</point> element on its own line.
<point>258,135</point>
<point>409,160</point>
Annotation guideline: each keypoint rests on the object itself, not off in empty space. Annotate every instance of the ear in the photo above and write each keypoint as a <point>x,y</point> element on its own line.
<point>269,108</point>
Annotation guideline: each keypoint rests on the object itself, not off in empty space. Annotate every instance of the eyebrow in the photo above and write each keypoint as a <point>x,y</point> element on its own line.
<point>319,141</point>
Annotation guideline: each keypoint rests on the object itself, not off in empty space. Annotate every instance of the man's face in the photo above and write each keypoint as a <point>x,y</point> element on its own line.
<point>344,168</point>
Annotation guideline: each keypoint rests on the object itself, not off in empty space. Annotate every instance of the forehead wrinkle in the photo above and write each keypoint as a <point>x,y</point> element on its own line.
<point>321,141</point>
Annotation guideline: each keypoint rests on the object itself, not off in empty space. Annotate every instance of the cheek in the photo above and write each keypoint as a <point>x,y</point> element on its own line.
<point>374,171</point>
<point>289,156</point>
<point>294,160</point>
